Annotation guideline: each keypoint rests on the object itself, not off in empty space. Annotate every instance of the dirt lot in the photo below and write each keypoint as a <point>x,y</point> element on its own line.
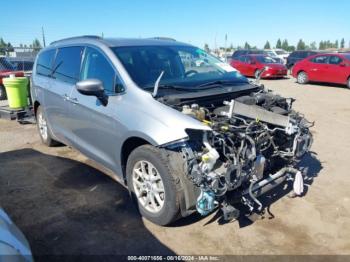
<point>65,206</point>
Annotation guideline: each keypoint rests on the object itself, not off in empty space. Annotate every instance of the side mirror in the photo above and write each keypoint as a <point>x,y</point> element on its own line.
<point>92,87</point>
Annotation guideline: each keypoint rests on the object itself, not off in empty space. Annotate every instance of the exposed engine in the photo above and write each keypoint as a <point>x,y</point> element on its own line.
<point>253,136</point>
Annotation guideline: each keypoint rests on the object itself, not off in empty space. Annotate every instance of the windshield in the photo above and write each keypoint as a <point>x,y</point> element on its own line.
<point>183,66</point>
<point>265,59</point>
<point>6,65</point>
<point>281,52</point>
<point>271,53</point>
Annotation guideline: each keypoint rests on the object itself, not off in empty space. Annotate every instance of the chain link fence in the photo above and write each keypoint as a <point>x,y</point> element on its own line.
<point>21,58</point>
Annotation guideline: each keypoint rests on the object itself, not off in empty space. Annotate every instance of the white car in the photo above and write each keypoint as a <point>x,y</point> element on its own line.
<point>280,53</point>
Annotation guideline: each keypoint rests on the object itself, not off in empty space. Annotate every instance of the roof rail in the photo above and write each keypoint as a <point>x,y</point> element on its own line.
<point>163,38</point>
<point>77,37</point>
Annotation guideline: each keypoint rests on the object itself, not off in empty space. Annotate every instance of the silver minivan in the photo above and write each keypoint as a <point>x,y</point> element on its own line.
<point>173,123</point>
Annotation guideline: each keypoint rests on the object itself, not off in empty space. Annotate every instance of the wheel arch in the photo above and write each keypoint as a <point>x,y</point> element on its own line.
<point>35,106</point>
<point>300,70</point>
<point>128,146</point>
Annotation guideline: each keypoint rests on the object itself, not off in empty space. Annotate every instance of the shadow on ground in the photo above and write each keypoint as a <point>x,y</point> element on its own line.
<point>65,207</point>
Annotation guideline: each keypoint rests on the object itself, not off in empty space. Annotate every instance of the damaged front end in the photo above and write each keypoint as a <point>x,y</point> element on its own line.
<point>255,143</point>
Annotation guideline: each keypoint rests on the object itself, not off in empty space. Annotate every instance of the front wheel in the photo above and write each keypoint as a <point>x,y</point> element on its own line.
<point>302,78</point>
<point>152,184</point>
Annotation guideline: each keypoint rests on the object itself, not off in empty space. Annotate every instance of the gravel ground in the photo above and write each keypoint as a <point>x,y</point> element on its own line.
<point>65,205</point>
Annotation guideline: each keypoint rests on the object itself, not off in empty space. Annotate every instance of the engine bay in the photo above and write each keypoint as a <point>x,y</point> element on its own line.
<point>253,136</point>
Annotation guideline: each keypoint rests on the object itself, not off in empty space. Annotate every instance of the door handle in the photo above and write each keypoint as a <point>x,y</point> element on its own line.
<point>74,100</point>
<point>65,97</point>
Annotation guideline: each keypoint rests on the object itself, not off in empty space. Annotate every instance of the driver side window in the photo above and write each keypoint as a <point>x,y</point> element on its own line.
<point>96,66</point>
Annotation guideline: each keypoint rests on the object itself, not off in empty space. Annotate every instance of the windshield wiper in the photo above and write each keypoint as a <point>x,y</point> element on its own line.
<point>168,86</point>
<point>156,84</point>
<point>219,82</point>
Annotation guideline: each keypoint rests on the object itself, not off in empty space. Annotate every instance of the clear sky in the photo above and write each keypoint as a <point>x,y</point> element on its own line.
<point>194,21</point>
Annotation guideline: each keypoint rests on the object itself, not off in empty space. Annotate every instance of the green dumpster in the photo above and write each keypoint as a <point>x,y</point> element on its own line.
<point>16,89</point>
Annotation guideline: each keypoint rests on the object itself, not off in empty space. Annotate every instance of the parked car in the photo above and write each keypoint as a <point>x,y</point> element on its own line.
<point>240,52</point>
<point>252,65</point>
<point>280,53</point>
<point>13,244</point>
<point>330,68</point>
<point>6,68</point>
<point>236,54</point>
<point>178,135</point>
<point>297,56</point>
<point>22,64</point>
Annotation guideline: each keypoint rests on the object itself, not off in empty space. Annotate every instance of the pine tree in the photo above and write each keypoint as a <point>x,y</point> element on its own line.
<point>342,43</point>
<point>279,43</point>
<point>36,44</point>
<point>321,45</point>
<point>267,45</point>
<point>301,45</point>
<point>285,44</point>
<point>246,45</point>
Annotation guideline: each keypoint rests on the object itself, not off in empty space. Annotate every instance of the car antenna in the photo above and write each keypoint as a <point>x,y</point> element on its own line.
<point>156,84</point>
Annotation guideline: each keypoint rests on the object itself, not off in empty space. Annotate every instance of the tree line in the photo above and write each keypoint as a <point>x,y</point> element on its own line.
<point>8,47</point>
<point>303,46</point>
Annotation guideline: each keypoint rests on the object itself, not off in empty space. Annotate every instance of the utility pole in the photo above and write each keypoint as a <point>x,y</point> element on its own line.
<point>225,48</point>
<point>43,33</point>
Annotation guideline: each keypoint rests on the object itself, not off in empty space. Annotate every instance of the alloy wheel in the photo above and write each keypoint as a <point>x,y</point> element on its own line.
<point>148,186</point>
<point>302,78</point>
<point>42,126</point>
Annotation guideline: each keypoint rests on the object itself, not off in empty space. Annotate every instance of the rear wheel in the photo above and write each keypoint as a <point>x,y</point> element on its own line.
<point>302,78</point>
<point>44,131</point>
<point>152,184</point>
<point>2,93</point>
<point>348,84</point>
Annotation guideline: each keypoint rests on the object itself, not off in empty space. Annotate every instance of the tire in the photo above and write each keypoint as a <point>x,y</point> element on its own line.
<point>164,208</point>
<point>3,95</point>
<point>302,78</point>
<point>348,84</point>
<point>43,129</point>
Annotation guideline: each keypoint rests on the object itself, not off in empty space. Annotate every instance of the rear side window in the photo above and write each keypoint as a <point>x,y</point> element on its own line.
<point>294,54</point>
<point>304,54</point>
<point>242,59</point>
<point>44,63</point>
<point>237,54</point>
<point>67,64</point>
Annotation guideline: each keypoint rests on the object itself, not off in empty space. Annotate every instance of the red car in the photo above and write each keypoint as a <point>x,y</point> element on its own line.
<point>329,68</point>
<point>251,65</point>
<point>6,68</point>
